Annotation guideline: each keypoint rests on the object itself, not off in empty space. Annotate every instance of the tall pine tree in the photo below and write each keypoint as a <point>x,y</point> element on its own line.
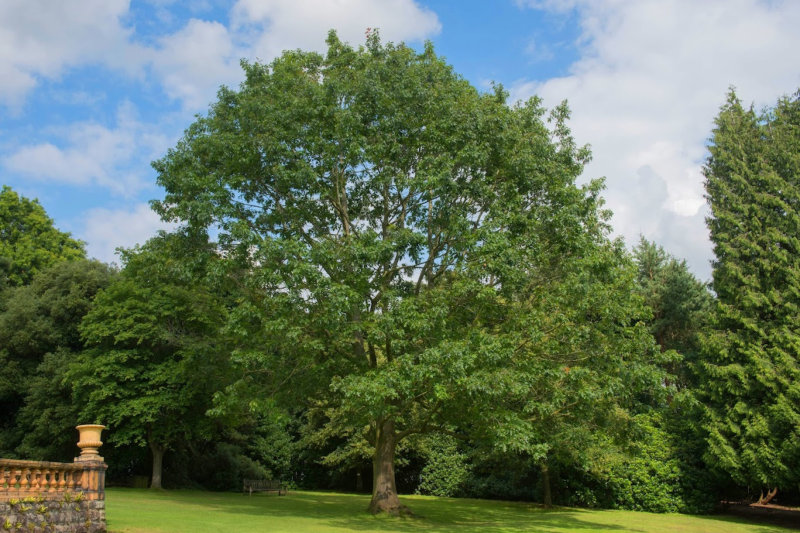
<point>680,304</point>
<point>753,374</point>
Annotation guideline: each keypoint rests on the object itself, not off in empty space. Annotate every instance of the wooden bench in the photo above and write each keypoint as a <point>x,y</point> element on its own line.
<point>263,485</point>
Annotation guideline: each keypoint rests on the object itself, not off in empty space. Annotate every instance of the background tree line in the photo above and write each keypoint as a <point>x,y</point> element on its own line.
<point>386,280</point>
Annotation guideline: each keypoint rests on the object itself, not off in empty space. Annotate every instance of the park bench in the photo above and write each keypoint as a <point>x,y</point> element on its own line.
<point>263,485</point>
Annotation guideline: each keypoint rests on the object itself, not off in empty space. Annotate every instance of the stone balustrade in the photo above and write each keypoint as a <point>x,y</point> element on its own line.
<point>40,496</point>
<point>21,479</point>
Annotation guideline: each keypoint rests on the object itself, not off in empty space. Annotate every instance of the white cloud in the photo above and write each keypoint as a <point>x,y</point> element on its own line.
<point>650,80</point>
<point>92,154</point>
<point>193,62</point>
<point>291,24</point>
<point>106,229</point>
<point>41,38</point>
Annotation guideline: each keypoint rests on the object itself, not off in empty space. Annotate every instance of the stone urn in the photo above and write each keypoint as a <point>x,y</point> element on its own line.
<point>89,441</point>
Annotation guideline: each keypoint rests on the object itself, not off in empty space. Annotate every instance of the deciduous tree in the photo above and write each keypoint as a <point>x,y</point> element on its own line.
<point>153,359</point>
<point>410,249</point>
<point>38,337</point>
<point>29,242</point>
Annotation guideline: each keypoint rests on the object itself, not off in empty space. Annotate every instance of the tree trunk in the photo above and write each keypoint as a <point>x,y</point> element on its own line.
<point>547,494</point>
<point>764,500</point>
<point>384,489</point>
<point>158,456</point>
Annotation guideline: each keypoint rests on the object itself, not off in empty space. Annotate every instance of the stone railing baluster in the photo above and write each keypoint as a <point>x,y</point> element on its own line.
<point>25,480</point>
<point>47,480</point>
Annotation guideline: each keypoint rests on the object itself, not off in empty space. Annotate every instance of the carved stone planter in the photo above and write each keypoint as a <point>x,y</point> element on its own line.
<point>89,442</point>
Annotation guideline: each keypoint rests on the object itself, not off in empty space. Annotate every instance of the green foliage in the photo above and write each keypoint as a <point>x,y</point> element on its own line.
<point>702,487</point>
<point>446,468</point>
<point>227,467</point>
<point>44,315</point>
<point>649,478</point>
<point>153,357</point>
<point>653,472</point>
<point>411,254</point>
<point>752,374</point>
<point>504,476</point>
<point>261,448</point>
<point>38,338</point>
<point>29,242</point>
<point>271,442</point>
<point>48,415</point>
<point>224,466</point>
<point>681,307</point>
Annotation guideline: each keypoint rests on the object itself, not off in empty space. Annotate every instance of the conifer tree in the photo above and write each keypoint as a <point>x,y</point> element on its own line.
<point>753,376</point>
<point>680,304</point>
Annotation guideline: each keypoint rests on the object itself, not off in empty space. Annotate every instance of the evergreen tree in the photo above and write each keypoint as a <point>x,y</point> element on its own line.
<point>680,303</point>
<point>752,384</point>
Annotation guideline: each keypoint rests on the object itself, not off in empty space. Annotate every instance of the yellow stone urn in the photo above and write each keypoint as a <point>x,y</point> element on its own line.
<point>89,441</point>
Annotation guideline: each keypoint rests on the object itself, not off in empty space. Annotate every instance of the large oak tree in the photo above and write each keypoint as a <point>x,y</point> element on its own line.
<point>413,255</point>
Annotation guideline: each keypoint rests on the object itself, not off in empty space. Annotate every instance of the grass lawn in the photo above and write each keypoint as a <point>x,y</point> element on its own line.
<point>139,511</point>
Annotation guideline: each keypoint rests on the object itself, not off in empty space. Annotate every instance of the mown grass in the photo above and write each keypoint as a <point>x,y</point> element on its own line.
<point>140,511</point>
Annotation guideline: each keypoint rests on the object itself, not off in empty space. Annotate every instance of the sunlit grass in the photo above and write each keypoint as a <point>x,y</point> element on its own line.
<point>139,511</point>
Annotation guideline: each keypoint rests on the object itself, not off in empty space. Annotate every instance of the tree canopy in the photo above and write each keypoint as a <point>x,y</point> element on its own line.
<point>38,338</point>
<point>681,307</point>
<point>414,255</point>
<point>153,358</point>
<point>752,381</point>
<point>29,242</point>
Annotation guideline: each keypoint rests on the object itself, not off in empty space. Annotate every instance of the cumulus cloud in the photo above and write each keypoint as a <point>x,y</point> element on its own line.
<point>645,91</point>
<point>288,24</point>
<point>91,154</point>
<point>105,230</point>
<point>41,38</point>
<point>193,62</point>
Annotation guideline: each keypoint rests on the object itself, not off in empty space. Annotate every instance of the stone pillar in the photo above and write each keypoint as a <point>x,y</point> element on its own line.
<point>93,480</point>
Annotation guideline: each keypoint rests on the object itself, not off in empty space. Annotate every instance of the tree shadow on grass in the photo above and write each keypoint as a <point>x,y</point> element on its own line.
<point>441,515</point>
<point>766,521</point>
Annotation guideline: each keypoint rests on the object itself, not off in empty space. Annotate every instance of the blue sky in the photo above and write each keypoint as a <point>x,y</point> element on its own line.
<point>91,91</point>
